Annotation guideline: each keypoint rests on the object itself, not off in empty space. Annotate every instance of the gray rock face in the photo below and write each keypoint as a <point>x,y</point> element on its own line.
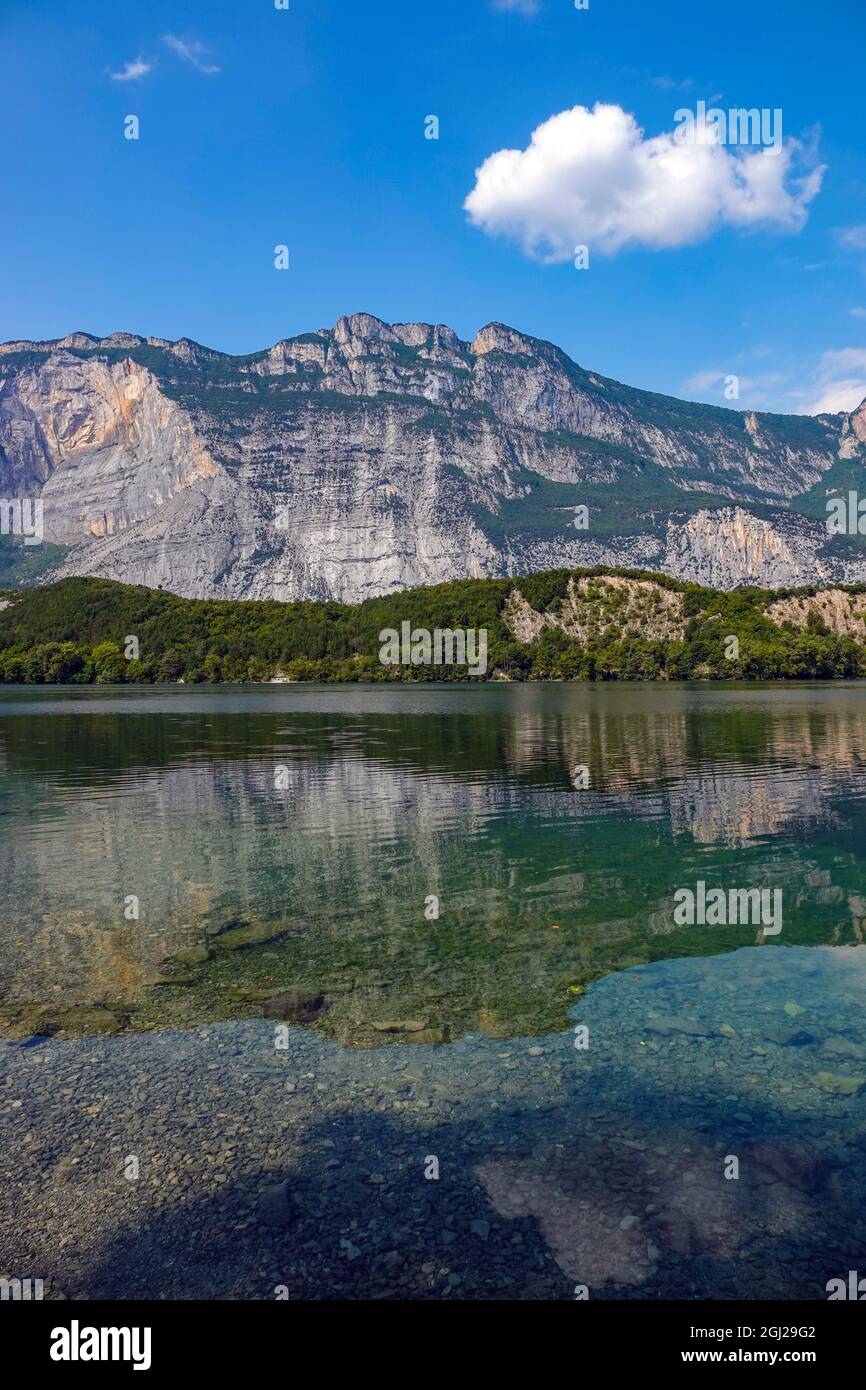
<point>372,457</point>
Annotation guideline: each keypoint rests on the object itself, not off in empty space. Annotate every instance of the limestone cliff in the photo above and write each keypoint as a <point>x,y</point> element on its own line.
<point>372,457</point>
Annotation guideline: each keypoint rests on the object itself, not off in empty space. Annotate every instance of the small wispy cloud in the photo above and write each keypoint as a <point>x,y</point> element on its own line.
<point>527,7</point>
<point>857,313</point>
<point>191,51</point>
<point>835,383</point>
<point>755,391</point>
<point>131,72</point>
<point>704,381</point>
<point>852,238</point>
<point>670,84</point>
<point>840,383</point>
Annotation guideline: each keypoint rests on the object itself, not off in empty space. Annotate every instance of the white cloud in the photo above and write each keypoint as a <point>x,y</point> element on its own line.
<point>590,177</point>
<point>704,381</point>
<point>527,7</point>
<point>130,72</point>
<point>750,384</point>
<point>857,313</point>
<point>853,238</point>
<point>843,395</point>
<point>842,382</point>
<point>192,52</point>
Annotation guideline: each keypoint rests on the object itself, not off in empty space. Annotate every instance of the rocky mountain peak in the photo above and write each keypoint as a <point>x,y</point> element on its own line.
<point>77,340</point>
<point>498,336</point>
<point>364,326</point>
<point>189,351</point>
<point>372,457</point>
<point>369,328</point>
<point>121,340</point>
<point>853,432</point>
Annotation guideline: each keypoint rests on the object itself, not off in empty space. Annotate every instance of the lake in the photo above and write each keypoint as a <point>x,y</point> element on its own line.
<point>367,991</point>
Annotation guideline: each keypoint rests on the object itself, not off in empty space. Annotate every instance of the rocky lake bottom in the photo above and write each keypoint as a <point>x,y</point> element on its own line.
<point>305,1171</point>
<point>548,1092</point>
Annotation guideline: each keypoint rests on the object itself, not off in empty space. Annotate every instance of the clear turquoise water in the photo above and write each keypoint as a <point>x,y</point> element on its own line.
<point>602,1166</point>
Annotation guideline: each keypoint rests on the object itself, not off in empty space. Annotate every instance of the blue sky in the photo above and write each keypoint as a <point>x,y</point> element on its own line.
<point>305,127</point>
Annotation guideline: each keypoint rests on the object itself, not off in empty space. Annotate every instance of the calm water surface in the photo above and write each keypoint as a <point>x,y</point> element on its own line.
<point>304,839</point>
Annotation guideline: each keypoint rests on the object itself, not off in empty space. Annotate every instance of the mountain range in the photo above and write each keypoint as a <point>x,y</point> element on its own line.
<point>371,457</point>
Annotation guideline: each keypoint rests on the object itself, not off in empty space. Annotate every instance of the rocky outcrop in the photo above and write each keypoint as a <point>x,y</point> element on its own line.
<point>372,457</point>
<point>595,605</point>
<point>592,606</point>
<point>107,446</point>
<point>843,613</point>
<point>730,546</point>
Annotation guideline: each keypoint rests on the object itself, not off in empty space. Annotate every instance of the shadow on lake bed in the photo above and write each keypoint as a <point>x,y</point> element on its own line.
<point>301,1173</point>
